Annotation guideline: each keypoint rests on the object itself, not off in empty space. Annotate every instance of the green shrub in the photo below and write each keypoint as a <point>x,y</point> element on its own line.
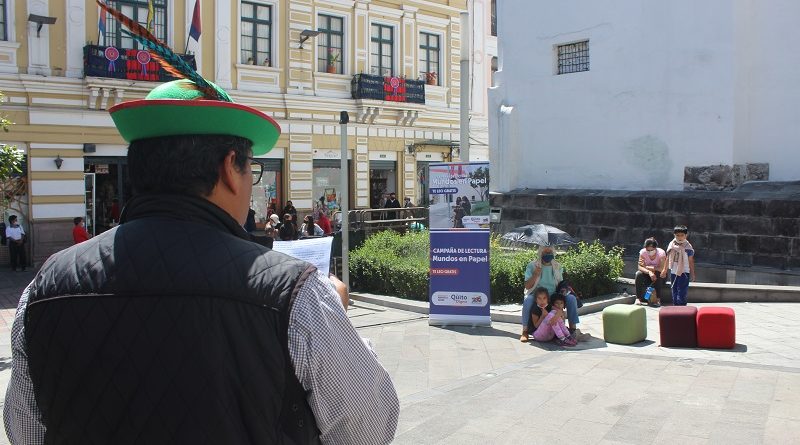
<point>591,269</point>
<point>507,271</point>
<point>392,264</point>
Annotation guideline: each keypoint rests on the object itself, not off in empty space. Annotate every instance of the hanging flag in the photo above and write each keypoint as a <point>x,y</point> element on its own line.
<point>195,30</point>
<point>101,26</point>
<point>151,14</point>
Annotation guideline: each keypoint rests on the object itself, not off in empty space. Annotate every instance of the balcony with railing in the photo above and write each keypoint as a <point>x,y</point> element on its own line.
<point>124,63</point>
<point>390,89</point>
<point>387,97</point>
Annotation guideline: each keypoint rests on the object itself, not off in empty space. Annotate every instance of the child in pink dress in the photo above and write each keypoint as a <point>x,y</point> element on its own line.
<point>548,320</point>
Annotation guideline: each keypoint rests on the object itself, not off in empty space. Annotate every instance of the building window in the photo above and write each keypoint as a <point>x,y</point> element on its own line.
<point>330,44</point>
<point>256,34</point>
<point>429,57</point>
<point>382,50</point>
<point>494,18</point>
<point>3,22</point>
<point>573,57</point>
<point>136,10</point>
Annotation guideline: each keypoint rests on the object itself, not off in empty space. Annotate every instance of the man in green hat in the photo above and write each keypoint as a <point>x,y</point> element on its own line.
<point>174,327</point>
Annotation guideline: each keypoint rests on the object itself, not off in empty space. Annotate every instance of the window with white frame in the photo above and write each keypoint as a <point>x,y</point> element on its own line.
<point>137,10</point>
<point>330,44</point>
<point>256,44</point>
<point>429,50</point>
<point>3,21</point>
<point>382,50</point>
<point>573,57</point>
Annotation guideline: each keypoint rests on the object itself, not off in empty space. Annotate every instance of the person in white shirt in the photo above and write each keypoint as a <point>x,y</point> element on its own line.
<point>16,243</point>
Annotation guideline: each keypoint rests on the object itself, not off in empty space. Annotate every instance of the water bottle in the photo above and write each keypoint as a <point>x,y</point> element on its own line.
<point>647,293</point>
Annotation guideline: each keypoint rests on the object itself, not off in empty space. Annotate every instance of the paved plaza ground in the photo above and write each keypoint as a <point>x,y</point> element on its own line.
<point>465,385</point>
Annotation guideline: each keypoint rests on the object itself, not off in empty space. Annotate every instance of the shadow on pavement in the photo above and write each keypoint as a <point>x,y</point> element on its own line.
<point>585,342</point>
<point>480,330</point>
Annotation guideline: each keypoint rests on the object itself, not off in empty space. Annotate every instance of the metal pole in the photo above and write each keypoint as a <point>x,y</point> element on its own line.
<point>465,56</point>
<point>344,193</point>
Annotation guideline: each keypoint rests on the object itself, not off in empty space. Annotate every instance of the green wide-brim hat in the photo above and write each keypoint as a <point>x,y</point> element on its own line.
<point>176,108</point>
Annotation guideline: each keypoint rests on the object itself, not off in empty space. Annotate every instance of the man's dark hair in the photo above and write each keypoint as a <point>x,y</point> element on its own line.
<point>77,220</point>
<point>12,218</point>
<point>650,242</point>
<point>185,165</point>
<point>680,229</point>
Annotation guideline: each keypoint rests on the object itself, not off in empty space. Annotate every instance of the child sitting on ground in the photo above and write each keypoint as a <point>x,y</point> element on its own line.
<point>548,320</point>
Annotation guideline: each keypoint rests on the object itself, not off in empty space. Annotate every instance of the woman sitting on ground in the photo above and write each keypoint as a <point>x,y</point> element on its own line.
<point>545,271</point>
<point>652,272</point>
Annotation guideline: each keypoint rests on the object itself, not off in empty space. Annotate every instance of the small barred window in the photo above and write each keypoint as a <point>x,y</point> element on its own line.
<point>573,57</point>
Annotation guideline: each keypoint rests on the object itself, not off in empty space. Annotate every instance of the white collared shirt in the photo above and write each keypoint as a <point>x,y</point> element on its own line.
<point>15,233</point>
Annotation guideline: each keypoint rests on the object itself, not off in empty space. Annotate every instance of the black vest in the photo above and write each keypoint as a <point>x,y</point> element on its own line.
<point>171,328</point>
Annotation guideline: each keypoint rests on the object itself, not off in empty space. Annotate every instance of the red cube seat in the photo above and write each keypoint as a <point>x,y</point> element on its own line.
<point>678,326</point>
<point>716,327</point>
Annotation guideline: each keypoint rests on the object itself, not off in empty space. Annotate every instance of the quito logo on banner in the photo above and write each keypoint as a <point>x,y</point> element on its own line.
<point>459,223</point>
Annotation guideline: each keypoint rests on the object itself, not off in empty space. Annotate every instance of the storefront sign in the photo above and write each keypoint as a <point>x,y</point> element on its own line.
<point>101,169</point>
<point>459,290</point>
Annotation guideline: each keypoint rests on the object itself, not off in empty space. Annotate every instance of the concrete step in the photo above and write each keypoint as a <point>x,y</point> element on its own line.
<point>728,293</point>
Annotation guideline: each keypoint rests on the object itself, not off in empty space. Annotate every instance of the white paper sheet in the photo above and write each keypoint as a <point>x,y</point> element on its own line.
<point>316,251</point>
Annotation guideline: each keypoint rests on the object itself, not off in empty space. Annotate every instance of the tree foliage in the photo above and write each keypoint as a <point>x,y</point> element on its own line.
<point>12,182</point>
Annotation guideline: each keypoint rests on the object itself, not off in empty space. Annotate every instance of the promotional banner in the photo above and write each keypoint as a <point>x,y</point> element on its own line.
<point>459,230</point>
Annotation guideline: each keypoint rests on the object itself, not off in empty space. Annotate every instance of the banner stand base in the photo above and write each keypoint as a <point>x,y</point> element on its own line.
<point>459,320</point>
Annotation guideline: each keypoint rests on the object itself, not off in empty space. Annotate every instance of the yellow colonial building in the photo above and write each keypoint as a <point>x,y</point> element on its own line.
<point>392,65</point>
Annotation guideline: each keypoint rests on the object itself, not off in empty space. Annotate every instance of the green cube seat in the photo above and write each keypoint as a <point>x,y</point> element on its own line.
<point>624,324</point>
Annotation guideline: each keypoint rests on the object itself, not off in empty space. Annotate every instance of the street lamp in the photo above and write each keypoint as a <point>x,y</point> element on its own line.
<point>307,34</point>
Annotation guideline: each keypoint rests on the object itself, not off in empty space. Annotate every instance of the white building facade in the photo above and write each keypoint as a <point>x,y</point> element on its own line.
<point>631,94</point>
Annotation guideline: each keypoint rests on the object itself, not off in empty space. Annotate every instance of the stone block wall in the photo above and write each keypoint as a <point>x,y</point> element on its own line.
<point>742,229</point>
<point>723,177</point>
<point>51,236</point>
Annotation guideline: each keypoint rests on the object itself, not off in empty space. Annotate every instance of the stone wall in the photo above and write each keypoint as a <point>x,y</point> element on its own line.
<point>737,228</point>
<point>723,177</point>
<point>49,237</point>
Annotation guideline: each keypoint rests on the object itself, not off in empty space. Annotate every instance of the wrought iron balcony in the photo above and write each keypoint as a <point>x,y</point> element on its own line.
<point>392,89</point>
<point>122,63</point>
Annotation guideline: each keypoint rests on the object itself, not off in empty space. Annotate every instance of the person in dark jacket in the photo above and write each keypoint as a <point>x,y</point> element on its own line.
<point>392,203</point>
<point>290,210</point>
<point>250,221</point>
<point>175,327</point>
<point>287,231</point>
